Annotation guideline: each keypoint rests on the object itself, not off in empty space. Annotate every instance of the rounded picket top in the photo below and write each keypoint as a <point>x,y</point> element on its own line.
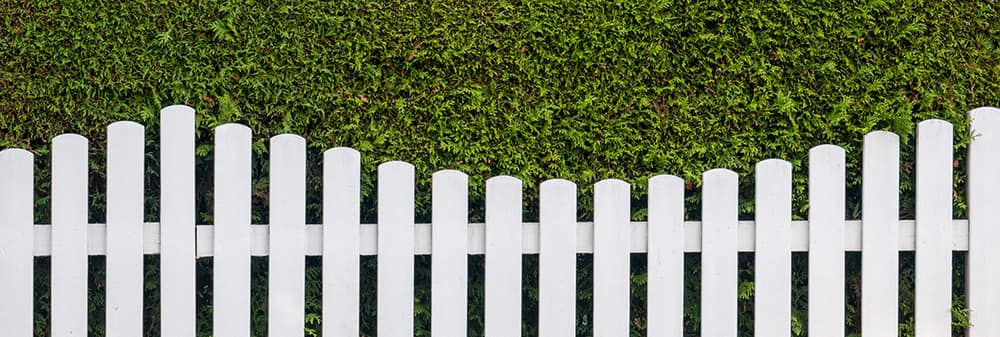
<point>936,129</point>
<point>986,112</point>
<point>934,123</point>
<point>717,184</point>
<point>665,181</point>
<point>722,174</point>
<point>881,136</point>
<point>233,130</point>
<point>16,155</point>
<point>503,180</point>
<point>396,166</point>
<point>342,154</point>
<point>557,184</point>
<point>773,165</point>
<point>609,185</point>
<point>70,140</point>
<point>177,109</point>
<point>985,120</point>
<point>826,151</point>
<point>557,196</point>
<point>450,174</point>
<point>288,139</point>
<point>126,129</point>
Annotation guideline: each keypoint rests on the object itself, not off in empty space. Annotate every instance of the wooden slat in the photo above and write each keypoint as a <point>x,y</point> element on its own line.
<point>69,235</point>
<point>719,213</point>
<point>231,274</point>
<point>880,221</point>
<point>773,257</point>
<point>395,249</point>
<point>341,242</point>
<point>125,278</point>
<point>286,266</point>
<point>826,244</point>
<point>314,245</point>
<point>557,259</point>
<point>933,237</point>
<point>449,258</point>
<point>984,223</point>
<point>503,257</point>
<point>665,282</point>
<point>17,205</point>
<point>177,222</point>
<point>611,258</point>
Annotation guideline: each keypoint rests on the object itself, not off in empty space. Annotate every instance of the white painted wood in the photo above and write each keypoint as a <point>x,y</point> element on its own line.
<point>450,260</point>
<point>176,232</point>
<point>314,245</point>
<point>880,233</point>
<point>773,256</point>
<point>17,205</point>
<point>231,274</point>
<point>984,223</point>
<point>826,240</point>
<point>665,260</point>
<point>395,249</point>
<point>503,257</point>
<point>719,213</point>
<point>125,278</point>
<point>933,233</point>
<point>611,258</point>
<point>340,242</point>
<point>286,293</point>
<point>69,235</point>
<point>557,259</point>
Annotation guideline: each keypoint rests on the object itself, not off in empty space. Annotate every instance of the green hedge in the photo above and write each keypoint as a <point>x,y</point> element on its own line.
<point>583,90</point>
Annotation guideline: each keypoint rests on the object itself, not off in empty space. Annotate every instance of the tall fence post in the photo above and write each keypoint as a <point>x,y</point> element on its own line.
<point>827,199</point>
<point>880,235</point>
<point>17,274</point>
<point>773,249</point>
<point>231,274</point>
<point>719,259</point>
<point>178,290</point>
<point>125,277</point>
<point>69,235</point>
<point>984,223</point>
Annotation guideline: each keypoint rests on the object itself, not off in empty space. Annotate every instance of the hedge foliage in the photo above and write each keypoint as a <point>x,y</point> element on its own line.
<point>583,90</point>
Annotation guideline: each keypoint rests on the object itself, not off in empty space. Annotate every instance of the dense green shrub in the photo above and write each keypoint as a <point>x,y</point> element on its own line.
<point>582,90</point>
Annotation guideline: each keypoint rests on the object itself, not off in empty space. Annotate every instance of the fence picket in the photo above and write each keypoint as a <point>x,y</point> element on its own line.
<point>341,242</point>
<point>503,257</point>
<point>449,253</point>
<point>984,223</point>
<point>557,259</point>
<point>395,249</point>
<point>773,255</point>
<point>177,222</point>
<point>665,259</point>
<point>880,234</point>
<point>611,258</point>
<point>933,217</point>
<point>17,205</point>
<point>827,202</point>
<point>286,266</point>
<point>231,274</point>
<point>125,278</point>
<point>719,214</point>
<point>69,235</point>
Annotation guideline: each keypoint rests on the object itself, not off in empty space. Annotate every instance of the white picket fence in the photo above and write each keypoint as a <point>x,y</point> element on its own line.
<point>504,238</point>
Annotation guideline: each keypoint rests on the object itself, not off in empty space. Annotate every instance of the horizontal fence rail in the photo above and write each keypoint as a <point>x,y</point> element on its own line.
<point>504,238</point>
<point>476,238</point>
